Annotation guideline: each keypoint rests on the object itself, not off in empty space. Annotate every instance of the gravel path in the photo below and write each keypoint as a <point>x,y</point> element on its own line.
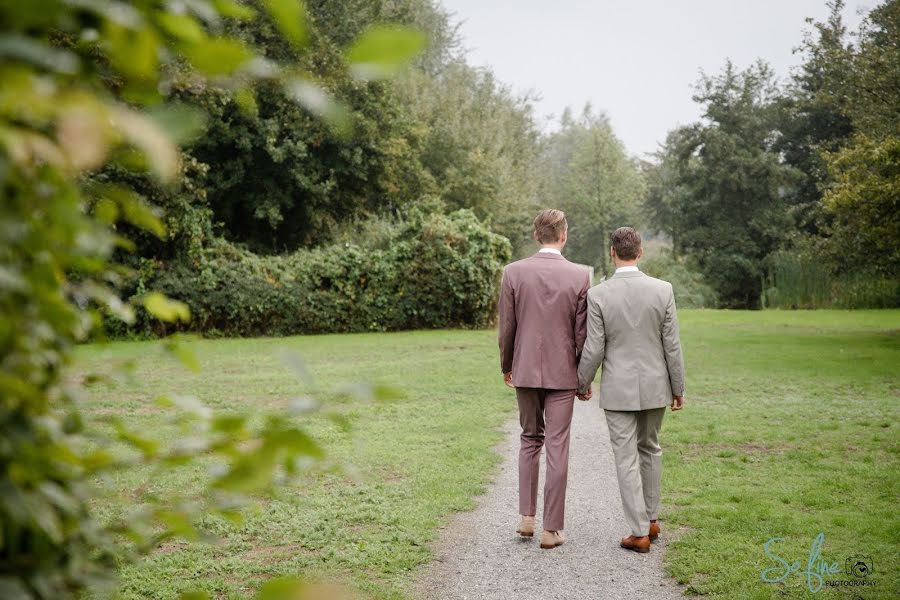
<point>480,557</point>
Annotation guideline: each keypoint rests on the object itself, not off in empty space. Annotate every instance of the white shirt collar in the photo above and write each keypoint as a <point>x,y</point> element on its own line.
<point>551,251</point>
<point>627,269</point>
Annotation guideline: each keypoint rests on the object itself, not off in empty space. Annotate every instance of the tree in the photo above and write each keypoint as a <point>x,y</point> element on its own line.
<point>727,185</point>
<point>665,193</point>
<point>590,176</point>
<point>815,115</point>
<point>84,87</point>
<point>873,88</point>
<point>478,143</point>
<point>283,178</point>
<point>862,183</point>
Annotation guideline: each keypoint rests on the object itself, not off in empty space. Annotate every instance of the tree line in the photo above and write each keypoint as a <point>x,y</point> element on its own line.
<point>787,193</point>
<point>784,194</point>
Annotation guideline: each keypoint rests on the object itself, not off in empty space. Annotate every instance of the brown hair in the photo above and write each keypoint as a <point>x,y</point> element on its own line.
<point>626,242</point>
<point>549,226</point>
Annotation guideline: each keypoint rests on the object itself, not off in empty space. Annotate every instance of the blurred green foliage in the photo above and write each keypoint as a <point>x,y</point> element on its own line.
<point>86,88</point>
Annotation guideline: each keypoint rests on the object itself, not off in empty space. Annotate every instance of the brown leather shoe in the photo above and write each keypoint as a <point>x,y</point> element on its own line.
<point>654,530</point>
<point>552,539</point>
<point>638,544</point>
<point>526,526</point>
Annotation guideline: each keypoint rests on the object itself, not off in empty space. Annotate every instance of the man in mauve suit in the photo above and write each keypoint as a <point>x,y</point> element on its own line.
<point>632,330</point>
<point>542,330</point>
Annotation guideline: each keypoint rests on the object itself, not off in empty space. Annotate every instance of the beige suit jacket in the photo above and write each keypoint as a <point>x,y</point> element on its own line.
<point>542,321</point>
<point>632,330</point>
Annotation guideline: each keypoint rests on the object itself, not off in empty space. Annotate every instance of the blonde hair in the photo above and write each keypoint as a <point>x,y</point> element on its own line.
<point>549,226</point>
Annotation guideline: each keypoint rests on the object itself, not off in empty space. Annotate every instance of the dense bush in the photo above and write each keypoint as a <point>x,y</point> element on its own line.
<point>691,291</point>
<point>436,271</point>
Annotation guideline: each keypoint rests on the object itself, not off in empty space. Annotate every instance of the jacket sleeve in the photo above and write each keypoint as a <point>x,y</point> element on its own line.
<point>672,346</point>
<point>594,346</point>
<point>581,317</point>
<point>507,318</point>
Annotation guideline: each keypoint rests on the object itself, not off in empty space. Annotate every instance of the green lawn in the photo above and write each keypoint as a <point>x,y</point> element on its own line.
<point>789,430</point>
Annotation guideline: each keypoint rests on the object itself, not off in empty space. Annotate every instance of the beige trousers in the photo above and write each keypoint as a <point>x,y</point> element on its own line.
<point>634,436</point>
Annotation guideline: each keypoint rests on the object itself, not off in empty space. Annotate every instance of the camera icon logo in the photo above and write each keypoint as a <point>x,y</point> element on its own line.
<point>859,566</point>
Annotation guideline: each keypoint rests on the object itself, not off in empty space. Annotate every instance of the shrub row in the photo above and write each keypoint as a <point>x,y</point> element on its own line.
<point>436,271</point>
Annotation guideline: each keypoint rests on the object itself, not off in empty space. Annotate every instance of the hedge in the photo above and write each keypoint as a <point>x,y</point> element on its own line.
<point>437,271</point>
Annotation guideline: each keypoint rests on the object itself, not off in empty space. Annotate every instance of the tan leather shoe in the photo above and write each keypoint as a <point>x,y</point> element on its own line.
<point>552,539</point>
<point>638,544</point>
<point>654,530</point>
<point>526,526</point>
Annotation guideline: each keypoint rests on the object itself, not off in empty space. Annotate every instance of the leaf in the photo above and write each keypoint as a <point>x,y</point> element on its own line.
<point>143,133</point>
<point>189,404</point>
<point>183,353</point>
<point>250,473</point>
<point>141,215</point>
<point>246,101</point>
<point>320,103</point>
<point>166,309</point>
<point>228,423</point>
<point>287,588</point>
<point>342,421</point>
<point>218,56</point>
<point>28,50</point>
<point>370,393</point>
<point>147,446</point>
<point>294,441</point>
<point>290,17</point>
<point>134,52</point>
<point>183,27</point>
<point>235,10</point>
<point>178,523</point>
<point>386,393</point>
<point>181,122</point>
<point>383,49</point>
<point>107,298</point>
<point>84,135</point>
<point>106,211</point>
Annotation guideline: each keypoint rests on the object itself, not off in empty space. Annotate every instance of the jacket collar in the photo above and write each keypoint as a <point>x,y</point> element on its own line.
<point>550,255</point>
<point>624,274</point>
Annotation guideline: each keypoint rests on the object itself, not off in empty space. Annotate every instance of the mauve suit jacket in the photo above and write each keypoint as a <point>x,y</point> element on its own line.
<point>633,333</point>
<point>543,308</point>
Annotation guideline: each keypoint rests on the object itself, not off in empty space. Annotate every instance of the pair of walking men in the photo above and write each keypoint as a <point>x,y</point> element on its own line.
<point>555,333</point>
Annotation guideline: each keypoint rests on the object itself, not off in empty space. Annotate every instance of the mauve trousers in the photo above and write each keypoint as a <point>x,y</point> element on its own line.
<point>546,417</point>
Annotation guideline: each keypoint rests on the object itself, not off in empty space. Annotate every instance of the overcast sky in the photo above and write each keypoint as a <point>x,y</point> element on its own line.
<point>636,60</point>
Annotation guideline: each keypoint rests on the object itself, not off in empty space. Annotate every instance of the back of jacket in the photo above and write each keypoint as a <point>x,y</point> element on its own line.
<point>633,333</point>
<point>542,321</point>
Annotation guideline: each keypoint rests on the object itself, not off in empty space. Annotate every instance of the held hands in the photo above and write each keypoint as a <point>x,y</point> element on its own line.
<point>587,395</point>
<point>677,402</point>
<point>507,379</point>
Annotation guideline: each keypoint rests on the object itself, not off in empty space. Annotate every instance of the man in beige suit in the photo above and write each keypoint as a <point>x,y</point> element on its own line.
<point>542,330</point>
<point>632,331</point>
